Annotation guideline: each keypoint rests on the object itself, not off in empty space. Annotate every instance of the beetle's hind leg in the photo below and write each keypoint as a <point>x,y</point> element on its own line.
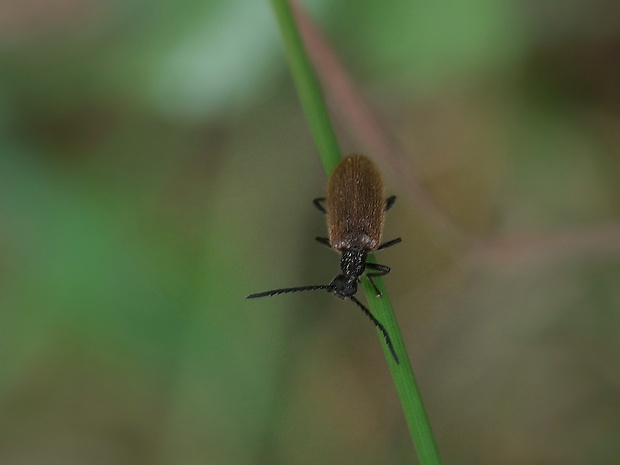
<point>319,205</point>
<point>389,202</point>
<point>387,244</point>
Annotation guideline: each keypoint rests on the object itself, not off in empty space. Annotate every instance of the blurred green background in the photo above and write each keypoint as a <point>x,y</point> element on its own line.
<point>155,168</point>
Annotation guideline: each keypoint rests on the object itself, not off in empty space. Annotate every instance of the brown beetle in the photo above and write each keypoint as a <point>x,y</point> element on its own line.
<point>355,205</point>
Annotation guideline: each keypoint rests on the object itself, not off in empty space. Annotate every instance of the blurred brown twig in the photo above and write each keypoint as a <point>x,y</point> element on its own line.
<point>366,127</point>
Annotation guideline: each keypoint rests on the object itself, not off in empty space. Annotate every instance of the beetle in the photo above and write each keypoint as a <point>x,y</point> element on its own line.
<point>355,207</point>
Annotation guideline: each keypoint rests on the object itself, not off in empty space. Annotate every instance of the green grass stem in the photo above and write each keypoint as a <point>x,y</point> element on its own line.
<point>402,374</point>
<point>313,104</point>
<point>307,86</point>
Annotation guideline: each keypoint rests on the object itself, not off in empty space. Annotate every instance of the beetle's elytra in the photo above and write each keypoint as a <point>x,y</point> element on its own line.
<point>355,205</point>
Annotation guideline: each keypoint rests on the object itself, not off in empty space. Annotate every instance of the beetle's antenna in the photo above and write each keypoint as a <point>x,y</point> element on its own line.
<point>388,341</point>
<point>288,290</point>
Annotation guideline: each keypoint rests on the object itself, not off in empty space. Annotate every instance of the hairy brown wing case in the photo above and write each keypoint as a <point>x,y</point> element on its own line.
<point>355,204</point>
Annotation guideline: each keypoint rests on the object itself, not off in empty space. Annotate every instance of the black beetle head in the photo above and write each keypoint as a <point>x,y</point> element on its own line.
<point>343,286</point>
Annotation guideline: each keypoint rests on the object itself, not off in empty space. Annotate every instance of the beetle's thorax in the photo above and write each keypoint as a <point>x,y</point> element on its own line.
<point>353,262</point>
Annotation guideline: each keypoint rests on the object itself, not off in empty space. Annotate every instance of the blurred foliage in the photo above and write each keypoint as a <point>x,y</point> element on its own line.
<point>155,168</point>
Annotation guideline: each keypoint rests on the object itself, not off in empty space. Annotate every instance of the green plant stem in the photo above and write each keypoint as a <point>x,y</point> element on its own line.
<point>307,86</point>
<point>313,104</point>
<point>402,374</point>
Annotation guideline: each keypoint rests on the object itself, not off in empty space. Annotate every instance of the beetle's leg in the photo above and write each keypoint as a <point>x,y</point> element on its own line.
<point>317,203</point>
<point>324,241</point>
<point>389,202</point>
<point>380,270</point>
<point>387,244</point>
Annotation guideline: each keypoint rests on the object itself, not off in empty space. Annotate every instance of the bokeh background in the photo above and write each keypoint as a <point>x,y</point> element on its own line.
<point>156,167</point>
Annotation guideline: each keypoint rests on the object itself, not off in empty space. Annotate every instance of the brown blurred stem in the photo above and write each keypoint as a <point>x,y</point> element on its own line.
<point>596,242</point>
<point>365,126</point>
